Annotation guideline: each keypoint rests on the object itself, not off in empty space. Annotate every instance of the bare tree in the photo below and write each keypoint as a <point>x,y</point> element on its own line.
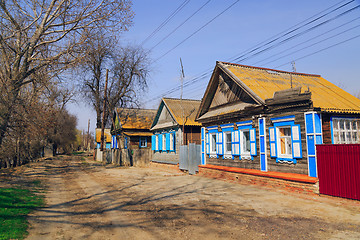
<point>129,68</point>
<point>48,35</point>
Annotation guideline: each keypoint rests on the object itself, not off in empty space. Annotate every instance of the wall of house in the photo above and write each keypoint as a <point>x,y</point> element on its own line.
<point>301,165</point>
<point>168,156</point>
<point>326,128</point>
<point>192,135</point>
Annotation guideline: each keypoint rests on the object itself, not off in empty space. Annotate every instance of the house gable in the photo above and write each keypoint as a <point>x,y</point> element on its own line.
<point>163,118</point>
<point>225,91</point>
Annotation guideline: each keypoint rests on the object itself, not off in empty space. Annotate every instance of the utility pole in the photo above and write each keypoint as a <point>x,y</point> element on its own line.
<point>182,76</point>
<point>294,70</point>
<point>104,110</point>
<point>88,137</point>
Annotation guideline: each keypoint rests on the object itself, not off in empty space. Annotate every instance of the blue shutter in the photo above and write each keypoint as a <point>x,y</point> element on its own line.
<point>160,142</point>
<point>208,143</point>
<point>125,142</point>
<point>272,140</point>
<point>167,141</point>
<point>296,141</point>
<point>174,141</point>
<point>153,142</point>
<point>253,150</point>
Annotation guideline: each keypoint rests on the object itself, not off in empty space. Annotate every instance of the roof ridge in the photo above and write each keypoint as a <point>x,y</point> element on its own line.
<point>269,69</point>
<point>182,99</point>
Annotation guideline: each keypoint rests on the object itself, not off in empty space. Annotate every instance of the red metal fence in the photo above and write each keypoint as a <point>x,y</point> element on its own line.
<point>339,170</point>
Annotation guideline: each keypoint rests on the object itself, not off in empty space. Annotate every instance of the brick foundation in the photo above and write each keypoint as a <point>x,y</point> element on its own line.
<point>311,187</point>
<point>165,166</point>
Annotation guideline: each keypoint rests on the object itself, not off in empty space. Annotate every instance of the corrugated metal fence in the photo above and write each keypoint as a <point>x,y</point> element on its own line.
<point>190,158</point>
<point>339,170</point>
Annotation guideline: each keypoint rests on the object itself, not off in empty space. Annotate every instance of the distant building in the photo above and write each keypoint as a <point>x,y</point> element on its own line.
<point>131,136</point>
<point>174,125</point>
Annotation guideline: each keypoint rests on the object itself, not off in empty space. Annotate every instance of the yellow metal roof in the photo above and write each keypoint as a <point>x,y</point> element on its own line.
<point>325,95</point>
<point>138,134</point>
<point>183,110</point>
<point>106,133</point>
<point>132,118</point>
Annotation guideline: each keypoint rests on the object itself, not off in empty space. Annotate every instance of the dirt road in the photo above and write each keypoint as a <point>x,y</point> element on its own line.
<point>88,201</point>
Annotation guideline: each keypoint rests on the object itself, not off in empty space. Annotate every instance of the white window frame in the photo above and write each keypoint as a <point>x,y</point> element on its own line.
<point>244,153</point>
<point>157,142</point>
<point>212,143</point>
<point>227,139</point>
<point>171,141</point>
<point>143,140</point>
<point>348,133</point>
<point>164,142</point>
<point>286,155</point>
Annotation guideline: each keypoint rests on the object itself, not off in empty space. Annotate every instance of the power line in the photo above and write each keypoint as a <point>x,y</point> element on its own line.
<point>333,29</point>
<point>241,58</point>
<point>177,10</point>
<point>287,30</point>
<point>313,44</point>
<point>167,36</point>
<point>198,30</point>
<point>206,73</point>
<point>321,50</point>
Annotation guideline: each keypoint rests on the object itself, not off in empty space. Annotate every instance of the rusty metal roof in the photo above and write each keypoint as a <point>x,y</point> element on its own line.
<point>106,133</point>
<point>265,82</point>
<point>183,110</point>
<point>134,118</point>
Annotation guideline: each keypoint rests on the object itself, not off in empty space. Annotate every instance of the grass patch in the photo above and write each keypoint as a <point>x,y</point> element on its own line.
<point>77,153</point>
<point>15,205</point>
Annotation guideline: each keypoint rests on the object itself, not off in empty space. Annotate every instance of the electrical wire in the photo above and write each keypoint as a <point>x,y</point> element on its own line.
<point>167,36</point>
<point>321,50</point>
<point>313,44</point>
<point>173,14</point>
<point>292,47</point>
<point>198,30</point>
<point>206,73</point>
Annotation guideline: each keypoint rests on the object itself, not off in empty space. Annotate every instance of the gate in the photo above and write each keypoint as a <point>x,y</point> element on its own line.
<point>339,170</point>
<point>190,157</point>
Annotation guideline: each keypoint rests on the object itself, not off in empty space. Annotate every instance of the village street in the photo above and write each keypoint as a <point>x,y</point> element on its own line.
<point>86,200</point>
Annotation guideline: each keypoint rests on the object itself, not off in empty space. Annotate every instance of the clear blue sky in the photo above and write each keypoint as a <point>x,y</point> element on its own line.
<point>240,28</point>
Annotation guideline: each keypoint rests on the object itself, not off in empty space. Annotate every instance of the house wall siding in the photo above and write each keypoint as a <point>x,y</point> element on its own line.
<point>301,166</point>
<point>166,156</point>
<point>326,129</point>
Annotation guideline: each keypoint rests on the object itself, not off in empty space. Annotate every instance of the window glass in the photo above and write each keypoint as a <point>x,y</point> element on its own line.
<point>213,142</point>
<point>336,124</point>
<point>164,142</point>
<point>142,142</point>
<point>171,141</point>
<point>285,140</point>
<point>342,124</point>
<point>228,142</point>
<point>348,131</point>
<point>247,141</point>
<point>347,124</point>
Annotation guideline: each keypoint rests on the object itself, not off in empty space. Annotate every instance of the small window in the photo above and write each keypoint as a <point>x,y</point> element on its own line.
<point>345,130</point>
<point>245,143</point>
<point>213,143</point>
<point>172,141</point>
<point>164,142</point>
<point>284,142</point>
<point>143,142</point>
<point>228,143</point>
